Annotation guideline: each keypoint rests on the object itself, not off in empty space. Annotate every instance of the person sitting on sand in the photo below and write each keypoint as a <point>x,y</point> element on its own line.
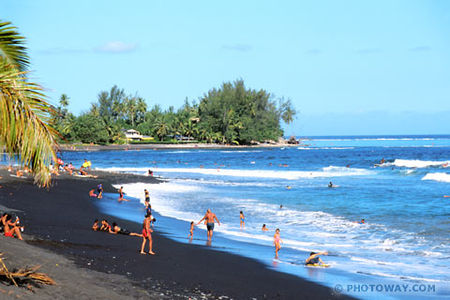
<point>19,173</point>
<point>12,229</point>
<point>147,235</point>
<point>314,259</point>
<point>277,241</point>
<point>264,228</point>
<point>105,226</point>
<point>95,225</point>
<point>92,194</point>
<point>191,230</point>
<point>100,191</point>
<point>209,219</point>
<point>117,230</point>
<point>242,219</point>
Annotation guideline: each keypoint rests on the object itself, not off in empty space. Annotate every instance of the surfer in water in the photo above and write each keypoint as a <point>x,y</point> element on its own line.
<point>314,259</point>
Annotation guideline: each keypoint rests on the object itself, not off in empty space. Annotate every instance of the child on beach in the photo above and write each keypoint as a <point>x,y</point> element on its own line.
<point>95,225</point>
<point>314,259</point>
<point>147,198</point>
<point>121,198</point>
<point>100,191</point>
<point>191,231</point>
<point>242,219</point>
<point>277,242</point>
<point>147,235</point>
<point>11,229</point>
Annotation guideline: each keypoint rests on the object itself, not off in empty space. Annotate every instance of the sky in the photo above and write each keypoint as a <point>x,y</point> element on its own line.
<point>349,67</point>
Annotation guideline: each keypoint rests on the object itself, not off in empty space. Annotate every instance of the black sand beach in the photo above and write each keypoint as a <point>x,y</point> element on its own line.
<point>59,220</point>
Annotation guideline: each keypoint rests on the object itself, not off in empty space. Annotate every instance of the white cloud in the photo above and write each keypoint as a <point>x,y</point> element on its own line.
<point>116,47</point>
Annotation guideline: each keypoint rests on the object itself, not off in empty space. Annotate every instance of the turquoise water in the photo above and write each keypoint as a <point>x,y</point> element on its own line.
<point>406,238</point>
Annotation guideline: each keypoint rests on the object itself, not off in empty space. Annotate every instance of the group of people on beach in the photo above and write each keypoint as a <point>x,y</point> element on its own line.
<point>209,219</point>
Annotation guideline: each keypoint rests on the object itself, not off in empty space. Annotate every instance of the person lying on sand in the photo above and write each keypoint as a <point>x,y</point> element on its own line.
<point>92,194</point>
<point>147,235</point>
<point>11,228</point>
<point>117,230</point>
<point>95,225</point>
<point>314,259</point>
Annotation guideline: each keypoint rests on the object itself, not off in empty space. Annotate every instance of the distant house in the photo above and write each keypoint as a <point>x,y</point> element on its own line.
<point>132,134</point>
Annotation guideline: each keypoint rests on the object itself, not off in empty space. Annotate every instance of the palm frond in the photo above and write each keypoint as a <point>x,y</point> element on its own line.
<point>24,117</point>
<point>12,46</point>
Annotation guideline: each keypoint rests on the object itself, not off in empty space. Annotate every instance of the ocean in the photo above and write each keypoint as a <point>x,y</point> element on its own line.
<point>405,241</point>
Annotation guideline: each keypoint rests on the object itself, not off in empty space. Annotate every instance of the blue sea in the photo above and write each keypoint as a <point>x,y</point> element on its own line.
<point>405,240</point>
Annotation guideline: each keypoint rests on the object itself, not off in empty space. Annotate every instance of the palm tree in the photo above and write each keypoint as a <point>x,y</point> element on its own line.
<point>24,113</point>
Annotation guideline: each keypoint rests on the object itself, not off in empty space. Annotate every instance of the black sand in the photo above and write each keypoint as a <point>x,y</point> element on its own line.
<point>60,219</point>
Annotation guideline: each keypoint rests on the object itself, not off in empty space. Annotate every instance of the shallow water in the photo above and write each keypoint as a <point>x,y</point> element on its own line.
<point>406,237</point>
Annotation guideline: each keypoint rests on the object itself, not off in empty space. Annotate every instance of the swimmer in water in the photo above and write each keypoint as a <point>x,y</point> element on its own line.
<point>288,187</point>
<point>330,185</point>
<point>314,259</point>
<point>264,228</point>
<point>242,219</point>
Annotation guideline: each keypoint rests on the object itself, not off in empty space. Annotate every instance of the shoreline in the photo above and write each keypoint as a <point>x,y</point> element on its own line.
<point>76,147</point>
<point>60,220</point>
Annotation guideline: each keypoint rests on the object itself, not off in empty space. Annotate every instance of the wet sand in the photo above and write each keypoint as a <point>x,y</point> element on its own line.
<point>59,220</point>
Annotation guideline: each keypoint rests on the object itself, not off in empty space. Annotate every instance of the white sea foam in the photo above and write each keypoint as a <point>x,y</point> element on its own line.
<point>442,177</point>
<point>408,163</point>
<point>326,148</point>
<point>331,171</point>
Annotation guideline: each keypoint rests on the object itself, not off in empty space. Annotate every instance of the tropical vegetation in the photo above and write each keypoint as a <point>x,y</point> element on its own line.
<point>230,114</point>
<point>25,133</point>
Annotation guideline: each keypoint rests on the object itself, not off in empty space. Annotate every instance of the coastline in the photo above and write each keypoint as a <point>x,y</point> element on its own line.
<point>60,219</point>
<point>124,147</point>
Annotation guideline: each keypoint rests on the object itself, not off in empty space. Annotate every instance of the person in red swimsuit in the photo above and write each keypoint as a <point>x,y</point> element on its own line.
<point>147,235</point>
<point>11,228</point>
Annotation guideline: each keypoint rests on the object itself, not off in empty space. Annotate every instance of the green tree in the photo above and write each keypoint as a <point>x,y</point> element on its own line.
<point>88,128</point>
<point>25,115</point>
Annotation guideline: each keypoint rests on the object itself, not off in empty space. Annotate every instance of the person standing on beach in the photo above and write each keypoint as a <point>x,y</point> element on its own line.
<point>191,231</point>
<point>209,218</point>
<point>99,191</point>
<point>242,219</point>
<point>147,235</point>
<point>277,242</point>
<point>147,198</point>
